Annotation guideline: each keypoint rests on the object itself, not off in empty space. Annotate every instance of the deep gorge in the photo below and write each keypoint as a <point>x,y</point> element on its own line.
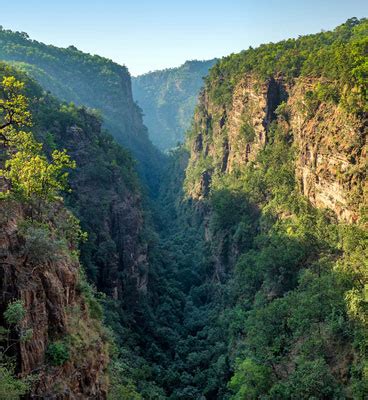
<point>232,267</point>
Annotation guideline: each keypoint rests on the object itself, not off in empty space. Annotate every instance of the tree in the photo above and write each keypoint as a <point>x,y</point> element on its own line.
<point>250,380</point>
<point>13,107</point>
<point>27,170</point>
<point>32,175</point>
<point>10,386</point>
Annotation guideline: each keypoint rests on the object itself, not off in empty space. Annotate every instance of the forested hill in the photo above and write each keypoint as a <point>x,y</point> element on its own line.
<point>278,167</point>
<point>168,98</point>
<point>88,80</point>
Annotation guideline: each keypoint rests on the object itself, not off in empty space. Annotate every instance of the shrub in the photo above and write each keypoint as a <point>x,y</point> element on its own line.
<point>89,294</point>
<point>15,312</point>
<point>10,386</point>
<point>40,244</point>
<point>57,353</point>
<point>250,380</point>
<point>310,380</point>
<point>247,131</point>
<point>283,111</point>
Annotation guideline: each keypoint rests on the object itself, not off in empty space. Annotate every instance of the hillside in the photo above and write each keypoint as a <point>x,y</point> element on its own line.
<point>51,330</point>
<point>168,99</point>
<point>88,80</point>
<point>278,164</point>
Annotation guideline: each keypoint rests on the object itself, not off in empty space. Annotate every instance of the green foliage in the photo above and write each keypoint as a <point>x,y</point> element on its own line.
<point>339,56</point>
<point>250,381</point>
<point>90,81</point>
<point>13,104</point>
<point>89,293</point>
<point>231,209</point>
<point>11,388</point>
<point>15,312</point>
<point>310,380</point>
<point>295,299</point>
<point>32,175</point>
<point>273,303</point>
<point>14,316</point>
<point>122,387</point>
<point>41,245</point>
<point>282,111</point>
<point>57,353</point>
<point>200,170</point>
<point>29,172</point>
<point>247,132</point>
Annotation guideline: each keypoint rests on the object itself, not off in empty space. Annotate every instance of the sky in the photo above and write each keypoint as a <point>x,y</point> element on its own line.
<point>148,35</point>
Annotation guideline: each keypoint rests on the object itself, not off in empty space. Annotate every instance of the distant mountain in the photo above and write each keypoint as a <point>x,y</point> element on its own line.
<point>89,80</point>
<point>168,99</point>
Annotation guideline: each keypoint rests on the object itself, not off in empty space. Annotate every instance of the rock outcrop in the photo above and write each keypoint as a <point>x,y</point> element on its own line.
<point>48,284</point>
<point>116,228</point>
<point>330,143</point>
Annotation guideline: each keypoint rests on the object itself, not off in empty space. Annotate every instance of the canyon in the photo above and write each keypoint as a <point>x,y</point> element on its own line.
<point>231,267</point>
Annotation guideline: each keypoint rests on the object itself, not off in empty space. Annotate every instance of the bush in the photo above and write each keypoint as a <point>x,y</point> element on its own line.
<point>247,131</point>
<point>310,380</point>
<point>57,353</point>
<point>250,380</point>
<point>90,295</point>
<point>15,312</point>
<point>10,386</point>
<point>122,385</point>
<point>40,245</point>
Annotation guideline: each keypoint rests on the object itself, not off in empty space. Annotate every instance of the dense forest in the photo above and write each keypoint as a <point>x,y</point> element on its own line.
<point>235,267</point>
<point>168,99</point>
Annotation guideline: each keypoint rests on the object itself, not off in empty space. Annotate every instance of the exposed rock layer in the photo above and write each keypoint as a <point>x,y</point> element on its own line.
<point>330,143</point>
<point>55,310</point>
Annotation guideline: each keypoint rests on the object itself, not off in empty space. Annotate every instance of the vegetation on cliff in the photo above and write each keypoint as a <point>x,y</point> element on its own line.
<point>338,56</point>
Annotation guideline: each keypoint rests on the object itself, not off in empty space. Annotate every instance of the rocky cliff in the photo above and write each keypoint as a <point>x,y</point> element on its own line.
<point>66,354</point>
<point>45,277</point>
<point>330,143</point>
<point>107,199</point>
<point>277,171</point>
<point>331,147</point>
<point>106,193</point>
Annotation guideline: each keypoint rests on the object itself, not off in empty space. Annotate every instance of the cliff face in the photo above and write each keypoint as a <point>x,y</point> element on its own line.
<point>47,282</point>
<point>277,171</point>
<point>106,197</point>
<point>330,143</point>
<point>39,264</point>
<point>110,209</point>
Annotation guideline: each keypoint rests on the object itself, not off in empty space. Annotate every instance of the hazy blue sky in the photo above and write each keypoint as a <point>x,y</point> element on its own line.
<point>147,35</point>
